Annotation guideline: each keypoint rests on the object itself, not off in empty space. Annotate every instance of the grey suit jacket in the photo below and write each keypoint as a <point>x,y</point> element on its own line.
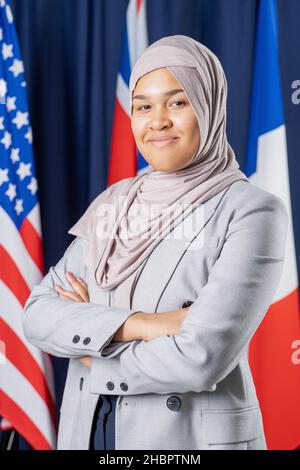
<point>192,390</point>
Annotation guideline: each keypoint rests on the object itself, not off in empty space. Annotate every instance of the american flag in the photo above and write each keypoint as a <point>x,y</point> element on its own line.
<point>26,378</point>
<point>125,160</point>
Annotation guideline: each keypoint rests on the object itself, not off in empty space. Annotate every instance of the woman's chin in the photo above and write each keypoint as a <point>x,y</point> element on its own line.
<point>163,166</point>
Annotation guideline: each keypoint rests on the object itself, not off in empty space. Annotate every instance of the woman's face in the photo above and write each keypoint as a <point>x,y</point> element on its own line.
<point>160,111</point>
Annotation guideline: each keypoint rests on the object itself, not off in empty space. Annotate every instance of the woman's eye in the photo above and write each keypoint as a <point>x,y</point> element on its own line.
<point>141,107</point>
<point>145,107</point>
<point>178,101</point>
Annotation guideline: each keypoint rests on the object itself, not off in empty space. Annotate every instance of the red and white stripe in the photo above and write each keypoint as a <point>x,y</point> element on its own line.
<point>27,399</point>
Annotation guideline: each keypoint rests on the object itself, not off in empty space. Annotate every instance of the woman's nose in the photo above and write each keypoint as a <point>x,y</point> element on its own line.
<point>159,126</point>
<point>159,122</point>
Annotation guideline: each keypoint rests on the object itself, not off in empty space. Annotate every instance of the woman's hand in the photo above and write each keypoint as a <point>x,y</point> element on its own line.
<point>86,361</point>
<point>148,326</point>
<point>80,293</point>
<point>164,323</point>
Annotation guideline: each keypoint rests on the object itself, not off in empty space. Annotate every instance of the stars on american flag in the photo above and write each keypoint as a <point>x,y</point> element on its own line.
<point>19,206</point>
<point>6,140</point>
<point>18,185</point>
<point>3,175</point>
<point>7,51</point>
<point>23,170</point>
<point>28,135</point>
<point>21,119</point>
<point>14,155</point>
<point>11,103</point>
<point>33,187</point>
<point>3,90</point>
<point>11,192</point>
<point>17,67</point>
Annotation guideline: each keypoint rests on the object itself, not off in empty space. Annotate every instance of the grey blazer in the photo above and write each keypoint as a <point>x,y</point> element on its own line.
<point>193,390</point>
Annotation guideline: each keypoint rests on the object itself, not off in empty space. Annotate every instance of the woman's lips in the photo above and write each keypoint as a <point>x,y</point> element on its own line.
<point>162,143</point>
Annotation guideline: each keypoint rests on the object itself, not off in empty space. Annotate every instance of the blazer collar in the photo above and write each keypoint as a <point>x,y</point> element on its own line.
<point>161,264</point>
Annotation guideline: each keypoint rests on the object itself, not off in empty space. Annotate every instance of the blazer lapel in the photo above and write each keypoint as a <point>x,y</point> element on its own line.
<point>160,265</point>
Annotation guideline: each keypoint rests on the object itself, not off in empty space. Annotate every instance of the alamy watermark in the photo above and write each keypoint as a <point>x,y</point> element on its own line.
<point>296,354</point>
<point>150,221</point>
<point>296,94</point>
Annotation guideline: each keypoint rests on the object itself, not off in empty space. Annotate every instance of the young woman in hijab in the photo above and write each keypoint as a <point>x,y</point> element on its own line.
<point>179,379</point>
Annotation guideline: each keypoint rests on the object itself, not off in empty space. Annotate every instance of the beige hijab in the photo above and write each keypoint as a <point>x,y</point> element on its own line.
<point>114,252</point>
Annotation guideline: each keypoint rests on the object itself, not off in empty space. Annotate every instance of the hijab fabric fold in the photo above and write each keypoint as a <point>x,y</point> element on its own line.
<point>127,220</point>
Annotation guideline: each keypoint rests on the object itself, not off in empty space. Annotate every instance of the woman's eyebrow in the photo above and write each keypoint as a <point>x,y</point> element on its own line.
<point>167,93</point>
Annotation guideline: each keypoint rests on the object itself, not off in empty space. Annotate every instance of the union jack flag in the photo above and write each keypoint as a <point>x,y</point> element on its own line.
<point>27,401</point>
<point>125,160</point>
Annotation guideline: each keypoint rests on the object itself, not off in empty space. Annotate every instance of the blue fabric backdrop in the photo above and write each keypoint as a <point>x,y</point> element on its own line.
<point>71,53</point>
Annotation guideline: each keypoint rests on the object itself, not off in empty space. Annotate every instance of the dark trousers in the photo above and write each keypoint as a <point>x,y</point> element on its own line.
<point>103,428</point>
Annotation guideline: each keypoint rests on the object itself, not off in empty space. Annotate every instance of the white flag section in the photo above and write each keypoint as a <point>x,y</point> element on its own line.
<point>276,375</point>
<point>273,176</point>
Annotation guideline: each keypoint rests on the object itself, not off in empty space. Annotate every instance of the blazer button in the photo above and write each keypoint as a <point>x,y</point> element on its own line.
<point>187,304</point>
<point>76,339</point>
<point>86,340</point>
<point>174,403</point>
<point>124,386</point>
<point>110,385</point>
<point>81,383</point>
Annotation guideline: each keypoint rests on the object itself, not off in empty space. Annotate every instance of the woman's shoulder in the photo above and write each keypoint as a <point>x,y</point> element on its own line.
<point>244,195</point>
<point>84,225</point>
<point>77,247</point>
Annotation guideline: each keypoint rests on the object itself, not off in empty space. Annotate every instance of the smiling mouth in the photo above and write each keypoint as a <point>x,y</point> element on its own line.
<point>163,143</point>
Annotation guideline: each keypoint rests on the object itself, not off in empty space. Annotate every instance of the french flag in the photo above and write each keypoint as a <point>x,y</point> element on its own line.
<point>125,161</point>
<point>274,352</point>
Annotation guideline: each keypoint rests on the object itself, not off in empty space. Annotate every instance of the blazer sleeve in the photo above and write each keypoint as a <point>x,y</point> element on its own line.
<point>220,323</point>
<point>66,328</point>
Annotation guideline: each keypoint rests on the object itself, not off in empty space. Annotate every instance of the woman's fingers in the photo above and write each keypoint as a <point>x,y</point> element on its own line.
<point>65,294</point>
<point>86,361</point>
<point>82,282</point>
<point>79,286</point>
<point>80,293</point>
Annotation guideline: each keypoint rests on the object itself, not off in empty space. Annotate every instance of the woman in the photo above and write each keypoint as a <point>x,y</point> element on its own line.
<point>190,240</point>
